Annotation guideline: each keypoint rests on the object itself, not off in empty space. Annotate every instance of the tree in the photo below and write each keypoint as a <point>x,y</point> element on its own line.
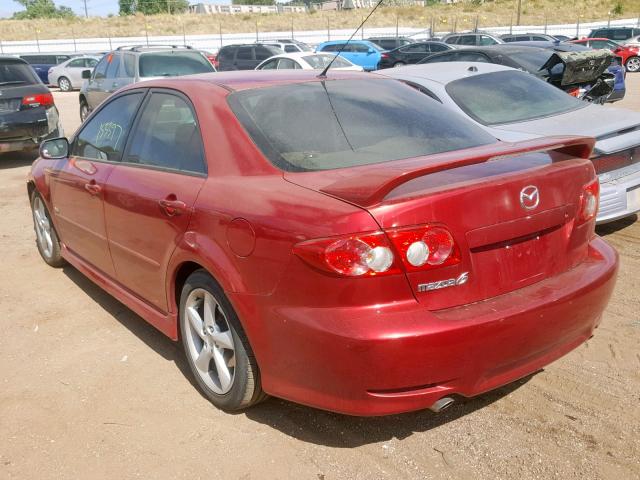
<point>152,7</point>
<point>42,9</point>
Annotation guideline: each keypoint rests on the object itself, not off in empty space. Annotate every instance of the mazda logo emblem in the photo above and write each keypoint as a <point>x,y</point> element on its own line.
<point>529,197</point>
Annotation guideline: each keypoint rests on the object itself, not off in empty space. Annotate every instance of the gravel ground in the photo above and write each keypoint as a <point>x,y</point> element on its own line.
<point>89,390</point>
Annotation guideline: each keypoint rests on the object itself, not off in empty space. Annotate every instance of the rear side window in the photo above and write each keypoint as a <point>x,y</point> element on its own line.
<point>167,136</point>
<point>331,48</point>
<point>129,65</point>
<point>245,53</point>
<point>436,47</point>
<point>101,69</point>
<point>291,48</point>
<point>16,73</point>
<point>349,123</point>
<point>471,57</point>
<point>172,64</point>
<point>226,54</point>
<point>467,40</point>
<point>104,136</point>
<point>262,53</point>
<point>78,63</point>
<point>451,40</point>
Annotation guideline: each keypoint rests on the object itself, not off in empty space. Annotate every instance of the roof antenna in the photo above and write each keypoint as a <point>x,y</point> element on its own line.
<point>326,69</point>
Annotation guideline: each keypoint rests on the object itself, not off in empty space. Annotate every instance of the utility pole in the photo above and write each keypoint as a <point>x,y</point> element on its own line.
<point>86,13</point>
<point>519,9</point>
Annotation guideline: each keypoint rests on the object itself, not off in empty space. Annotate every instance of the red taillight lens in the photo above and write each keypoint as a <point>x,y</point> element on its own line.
<point>589,200</point>
<point>38,100</point>
<point>384,55</point>
<point>574,92</point>
<point>419,248</point>
<point>425,247</point>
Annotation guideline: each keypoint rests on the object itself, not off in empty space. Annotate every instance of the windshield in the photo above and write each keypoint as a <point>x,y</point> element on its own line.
<point>509,97</point>
<point>321,61</point>
<point>346,123</point>
<point>15,73</point>
<point>172,64</point>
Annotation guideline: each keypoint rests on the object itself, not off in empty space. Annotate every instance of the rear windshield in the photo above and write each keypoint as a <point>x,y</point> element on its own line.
<point>321,61</point>
<point>17,73</point>
<point>345,123</point>
<point>173,64</point>
<point>520,97</point>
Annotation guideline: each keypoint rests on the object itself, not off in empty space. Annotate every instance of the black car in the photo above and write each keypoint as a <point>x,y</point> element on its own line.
<point>27,112</point>
<point>412,53</point>
<point>580,72</point>
<point>244,56</point>
<point>390,43</point>
<point>619,34</point>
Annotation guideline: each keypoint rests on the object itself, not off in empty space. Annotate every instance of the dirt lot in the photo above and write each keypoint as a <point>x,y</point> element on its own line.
<point>89,390</point>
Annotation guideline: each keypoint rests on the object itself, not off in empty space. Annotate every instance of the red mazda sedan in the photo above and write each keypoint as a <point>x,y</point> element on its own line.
<point>628,54</point>
<point>343,242</point>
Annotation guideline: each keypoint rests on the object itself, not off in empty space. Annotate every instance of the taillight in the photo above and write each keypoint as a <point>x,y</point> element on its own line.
<point>419,248</point>
<point>574,92</point>
<point>384,55</point>
<point>38,100</point>
<point>425,247</point>
<point>589,199</point>
<point>351,256</point>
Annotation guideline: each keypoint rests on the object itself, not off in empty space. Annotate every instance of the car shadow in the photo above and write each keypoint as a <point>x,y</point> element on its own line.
<point>17,159</point>
<point>613,227</point>
<point>303,423</point>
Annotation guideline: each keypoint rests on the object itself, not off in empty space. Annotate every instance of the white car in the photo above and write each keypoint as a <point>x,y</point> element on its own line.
<point>513,105</point>
<point>306,61</point>
<point>68,74</point>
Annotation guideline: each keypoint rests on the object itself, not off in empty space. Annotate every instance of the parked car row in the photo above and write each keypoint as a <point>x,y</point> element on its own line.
<point>297,231</point>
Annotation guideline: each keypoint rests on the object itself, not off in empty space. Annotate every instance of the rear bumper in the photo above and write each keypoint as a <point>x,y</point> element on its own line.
<point>388,359</point>
<point>619,198</point>
<point>617,95</point>
<point>24,130</point>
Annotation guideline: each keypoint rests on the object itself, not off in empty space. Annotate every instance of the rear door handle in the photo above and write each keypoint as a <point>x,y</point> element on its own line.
<point>172,207</point>
<point>93,188</point>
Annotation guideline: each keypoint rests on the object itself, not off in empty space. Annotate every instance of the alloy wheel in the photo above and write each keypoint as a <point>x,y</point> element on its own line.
<point>43,227</point>
<point>84,112</point>
<point>633,64</point>
<point>64,84</point>
<point>210,341</point>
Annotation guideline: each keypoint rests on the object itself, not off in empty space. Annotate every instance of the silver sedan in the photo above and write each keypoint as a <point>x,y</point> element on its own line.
<point>68,75</point>
<point>513,105</point>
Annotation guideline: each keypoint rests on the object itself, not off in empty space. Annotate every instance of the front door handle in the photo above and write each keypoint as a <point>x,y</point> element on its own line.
<point>172,207</point>
<point>93,188</point>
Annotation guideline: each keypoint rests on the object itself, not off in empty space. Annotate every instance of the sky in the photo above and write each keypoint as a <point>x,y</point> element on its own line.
<point>94,7</point>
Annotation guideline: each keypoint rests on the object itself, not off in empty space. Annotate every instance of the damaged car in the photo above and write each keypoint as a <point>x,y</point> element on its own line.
<point>582,74</point>
<point>524,108</point>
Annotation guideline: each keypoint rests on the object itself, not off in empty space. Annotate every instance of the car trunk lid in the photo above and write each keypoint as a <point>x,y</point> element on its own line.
<point>477,195</point>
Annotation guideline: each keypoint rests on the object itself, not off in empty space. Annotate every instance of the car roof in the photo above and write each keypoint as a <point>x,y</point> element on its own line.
<point>251,79</point>
<point>339,42</point>
<point>436,73</point>
<point>297,55</point>
<point>11,58</point>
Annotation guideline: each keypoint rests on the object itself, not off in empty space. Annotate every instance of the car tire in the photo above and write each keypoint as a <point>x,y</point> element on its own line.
<point>632,64</point>
<point>47,239</point>
<point>84,110</point>
<point>216,347</point>
<point>64,84</point>
<point>399,64</point>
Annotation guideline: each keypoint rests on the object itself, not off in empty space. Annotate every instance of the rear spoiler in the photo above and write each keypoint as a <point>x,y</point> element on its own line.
<point>369,185</point>
<point>580,67</point>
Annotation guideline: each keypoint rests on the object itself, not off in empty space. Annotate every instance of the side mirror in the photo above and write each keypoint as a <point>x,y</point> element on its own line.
<point>54,148</point>
<point>86,74</point>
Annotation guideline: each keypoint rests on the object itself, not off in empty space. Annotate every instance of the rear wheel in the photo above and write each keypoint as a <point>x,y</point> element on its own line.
<point>216,346</point>
<point>84,110</point>
<point>46,235</point>
<point>633,64</point>
<point>399,64</point>
<point>64,84</point>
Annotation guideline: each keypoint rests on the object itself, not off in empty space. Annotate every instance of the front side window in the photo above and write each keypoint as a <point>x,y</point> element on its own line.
<point>101,68</point>
<point>436,47</point>
<point>174,63</point>
<point>90,62</point>
<point>487,40</point>
<point>244,53</point>
<point>270,65</point>
<point>78,63</point>
<point>345,123</point>
<point>467,40</point>
<point>114,65</point>
<point>417,48</point>
<point>521,97</point>
<point>451,40</point>
<point>287,64</point>
<point>262,53</point>
<point>318,62</point>
<point>332,48</point>
<point>291,48</point>
<point>167,136</point>
<point>104,136</point>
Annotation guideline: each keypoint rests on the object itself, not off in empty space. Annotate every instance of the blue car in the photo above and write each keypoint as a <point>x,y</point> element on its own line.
<point>42,62</point>
<point>359,52</point>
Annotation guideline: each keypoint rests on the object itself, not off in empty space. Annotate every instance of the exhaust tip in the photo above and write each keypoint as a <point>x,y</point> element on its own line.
<point>442,404</point>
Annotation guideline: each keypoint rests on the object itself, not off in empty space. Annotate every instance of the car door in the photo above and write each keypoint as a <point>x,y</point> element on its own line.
<point>244,59</point>
<point>112,81</point>
<point>73,71</point>
<point>78,185</point>
<point>416,52</point>
<point>96,83</point>
<point>150,194</point>
<point>270,65</point>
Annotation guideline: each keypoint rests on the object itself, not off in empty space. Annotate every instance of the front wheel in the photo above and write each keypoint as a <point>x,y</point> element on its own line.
<point>64,84</point>
<point>633,64</point>
<point>84,110</point>
<point>216,346</point>
<point>46,236</point>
